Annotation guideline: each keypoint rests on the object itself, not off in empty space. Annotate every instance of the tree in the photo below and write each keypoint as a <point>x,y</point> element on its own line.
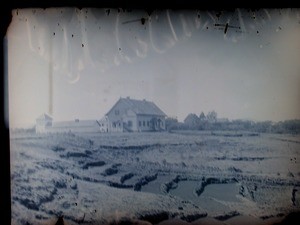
<point>264,126</point>
<point>202,116</point>
<point>212,116</point>
<point>171,123</point>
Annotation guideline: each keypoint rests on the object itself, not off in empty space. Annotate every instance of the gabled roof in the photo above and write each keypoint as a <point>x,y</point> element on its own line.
<point>44,117</point>
<point>140,107</point>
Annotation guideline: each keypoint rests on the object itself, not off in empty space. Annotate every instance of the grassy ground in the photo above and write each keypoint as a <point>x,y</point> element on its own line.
<point>97,178</point>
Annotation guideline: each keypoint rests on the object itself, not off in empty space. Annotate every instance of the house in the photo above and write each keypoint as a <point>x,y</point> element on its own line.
<point>130,115</point>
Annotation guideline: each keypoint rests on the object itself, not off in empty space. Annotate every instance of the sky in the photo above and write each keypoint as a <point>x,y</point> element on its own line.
<point>72,63</point>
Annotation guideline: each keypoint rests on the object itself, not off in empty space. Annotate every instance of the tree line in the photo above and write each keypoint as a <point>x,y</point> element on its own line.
<point>212,122</point>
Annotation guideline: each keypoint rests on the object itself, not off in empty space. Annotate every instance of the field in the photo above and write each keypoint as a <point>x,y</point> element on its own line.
<point>188,177</point>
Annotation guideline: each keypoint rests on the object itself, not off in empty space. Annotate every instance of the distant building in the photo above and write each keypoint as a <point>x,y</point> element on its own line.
<point>127,115</point>
<point>76,126</point>
<point>45,124</point>
<point>192,120</point>
<point>130,115</point>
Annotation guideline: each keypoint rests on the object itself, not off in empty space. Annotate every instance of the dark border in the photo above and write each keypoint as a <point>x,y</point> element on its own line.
<point>149,6</point>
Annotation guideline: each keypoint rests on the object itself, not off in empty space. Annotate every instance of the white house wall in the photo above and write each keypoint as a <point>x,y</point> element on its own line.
<point>118,110</point>
<point>144,122</point>
<point>115,117</point>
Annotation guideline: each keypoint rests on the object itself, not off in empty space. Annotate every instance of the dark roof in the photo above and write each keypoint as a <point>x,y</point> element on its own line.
<point>141,107</point>
<point>44,117</point>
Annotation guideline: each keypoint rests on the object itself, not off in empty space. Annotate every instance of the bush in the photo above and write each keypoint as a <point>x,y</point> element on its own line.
<point>126,177</point>
<point>94,164</point>
<point>110,171</point>
<point>59,184</point>
<point>58,148</point>
<point>73,186</point>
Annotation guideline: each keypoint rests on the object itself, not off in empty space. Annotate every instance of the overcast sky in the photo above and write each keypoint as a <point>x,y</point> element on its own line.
<point>181,60</point>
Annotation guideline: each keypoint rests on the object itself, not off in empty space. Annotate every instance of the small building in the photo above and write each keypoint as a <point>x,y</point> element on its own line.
<point>103,124</point>
<point>75,126</point>
<point>130,115</point>
<point>43,123</point>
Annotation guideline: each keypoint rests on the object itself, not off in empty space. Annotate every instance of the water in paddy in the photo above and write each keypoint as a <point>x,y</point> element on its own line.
<point>185,190</point>
<point>154,186</point>
<point>209,199</point>
<point>223,192</point>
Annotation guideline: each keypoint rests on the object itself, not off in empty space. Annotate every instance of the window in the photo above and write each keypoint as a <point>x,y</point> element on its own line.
<point>144,123</point>
<point>114,124</point>
<point>140,123</point>
<point>129,123</point>
<point>148,123</point>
